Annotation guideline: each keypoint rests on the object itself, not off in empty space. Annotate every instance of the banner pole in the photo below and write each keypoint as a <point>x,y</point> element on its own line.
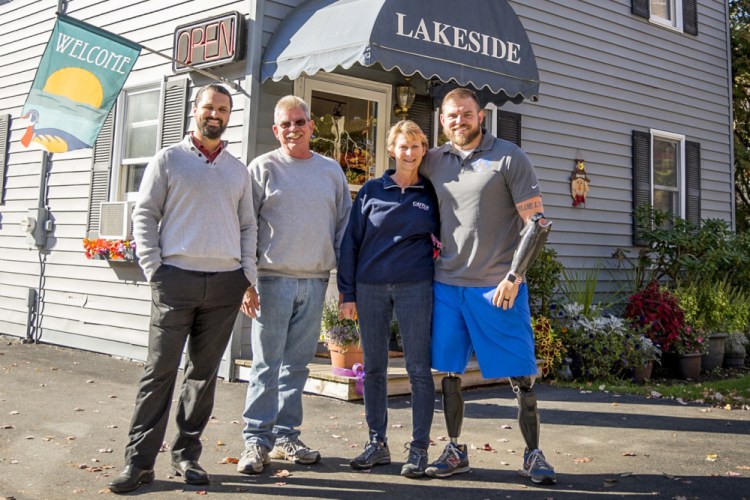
<point>203,72</point>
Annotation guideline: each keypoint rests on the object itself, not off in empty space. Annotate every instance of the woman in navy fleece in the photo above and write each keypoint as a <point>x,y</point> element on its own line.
<point>386,267</point>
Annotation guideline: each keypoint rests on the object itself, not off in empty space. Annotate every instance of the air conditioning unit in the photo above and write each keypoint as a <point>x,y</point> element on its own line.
<point>115,220</point>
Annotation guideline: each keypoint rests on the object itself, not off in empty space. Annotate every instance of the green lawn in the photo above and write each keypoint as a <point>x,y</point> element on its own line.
<point>734,391</point>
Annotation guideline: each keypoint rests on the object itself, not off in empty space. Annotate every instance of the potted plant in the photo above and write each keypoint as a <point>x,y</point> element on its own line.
<point>690,346</point>
<point>640,355</point>
<point>341,336</point>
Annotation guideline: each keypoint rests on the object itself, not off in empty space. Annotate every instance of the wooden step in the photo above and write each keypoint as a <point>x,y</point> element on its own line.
<point>323,382</point>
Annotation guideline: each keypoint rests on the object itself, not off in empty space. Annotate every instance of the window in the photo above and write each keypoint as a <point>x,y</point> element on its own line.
<point>681,15</point>
<point>144,120</point>
<point>351,121</point>
<point>667,174</point>
<point>137,142</point>
<point>666,12</point>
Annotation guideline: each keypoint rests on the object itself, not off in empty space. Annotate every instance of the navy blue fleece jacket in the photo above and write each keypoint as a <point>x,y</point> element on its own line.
<point>389,236</point>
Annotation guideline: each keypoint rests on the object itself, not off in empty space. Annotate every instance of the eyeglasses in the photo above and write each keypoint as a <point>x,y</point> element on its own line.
<point>297,123</point>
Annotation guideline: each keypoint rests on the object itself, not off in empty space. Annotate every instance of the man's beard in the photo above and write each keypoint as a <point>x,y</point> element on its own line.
<point>462,137</point>
<point>212,131</point>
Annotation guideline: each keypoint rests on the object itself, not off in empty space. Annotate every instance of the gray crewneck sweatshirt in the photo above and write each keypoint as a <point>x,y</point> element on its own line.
<point>302,208</point>
<point>195,214</point>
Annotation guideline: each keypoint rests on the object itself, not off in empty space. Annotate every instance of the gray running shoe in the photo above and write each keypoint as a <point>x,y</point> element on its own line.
<point>536,468</point>
<point>253,459</point>
<point>416,463</point>
<point>454,460</point>
<point>295,451</point>
<point>375,454</point>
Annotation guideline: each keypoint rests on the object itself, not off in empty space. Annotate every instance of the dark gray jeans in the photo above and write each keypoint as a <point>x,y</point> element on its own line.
<point>199,308</point>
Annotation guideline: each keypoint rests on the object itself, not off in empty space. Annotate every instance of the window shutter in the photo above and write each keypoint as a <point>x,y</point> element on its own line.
<point>173,112</point>
<point>509,127</point>
<point>690,16</point>
<point>693,182</point>
<point>100,169</point>
<point>641,8</point>
<point>421,114</point>
<point>4,135</point>
<point>641,176</point>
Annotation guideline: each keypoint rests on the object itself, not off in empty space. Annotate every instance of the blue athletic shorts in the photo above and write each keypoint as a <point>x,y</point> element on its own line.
<point>465,321</point>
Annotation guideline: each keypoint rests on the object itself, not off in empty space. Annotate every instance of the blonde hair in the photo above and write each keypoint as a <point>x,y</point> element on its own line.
<point>290,102</point>
<point>410,130</point>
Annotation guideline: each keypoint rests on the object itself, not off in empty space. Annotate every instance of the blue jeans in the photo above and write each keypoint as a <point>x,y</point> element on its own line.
<point>412,303</point>
<point>284,338</point>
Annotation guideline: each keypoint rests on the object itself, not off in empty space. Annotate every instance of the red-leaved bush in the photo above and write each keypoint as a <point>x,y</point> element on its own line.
<point>658,311</point>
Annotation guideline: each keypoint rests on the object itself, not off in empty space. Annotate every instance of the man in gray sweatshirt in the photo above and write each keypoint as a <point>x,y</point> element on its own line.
<point>302,205</point>
<point>195,232</point>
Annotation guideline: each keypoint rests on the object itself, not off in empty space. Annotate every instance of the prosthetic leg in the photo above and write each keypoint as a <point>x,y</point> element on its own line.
<point>455,457</point>
<point>453,406</point>
<point>535,465</point>
<point>528,416</point>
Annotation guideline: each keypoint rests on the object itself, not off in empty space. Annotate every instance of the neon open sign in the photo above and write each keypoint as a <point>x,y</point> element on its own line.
<point>209,42</point>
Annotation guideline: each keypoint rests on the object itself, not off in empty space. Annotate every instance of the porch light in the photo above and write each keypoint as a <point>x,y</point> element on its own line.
<point>405,95</point>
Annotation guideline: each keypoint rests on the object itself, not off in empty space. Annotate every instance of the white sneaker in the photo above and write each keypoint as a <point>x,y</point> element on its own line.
<point>253,459</point>
<point>295,451</point>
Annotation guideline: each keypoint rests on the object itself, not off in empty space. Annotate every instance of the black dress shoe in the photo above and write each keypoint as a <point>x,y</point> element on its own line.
<point>131,478</point>
<point>192,471</point>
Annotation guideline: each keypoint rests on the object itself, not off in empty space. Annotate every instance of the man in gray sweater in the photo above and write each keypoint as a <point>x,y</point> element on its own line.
<point>196,232</point>
<point>302,205</point>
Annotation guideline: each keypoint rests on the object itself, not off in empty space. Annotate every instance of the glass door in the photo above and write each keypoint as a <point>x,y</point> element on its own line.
<point>351,122</point>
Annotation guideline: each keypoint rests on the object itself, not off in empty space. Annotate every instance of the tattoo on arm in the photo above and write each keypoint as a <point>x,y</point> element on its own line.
<point>527,206</point>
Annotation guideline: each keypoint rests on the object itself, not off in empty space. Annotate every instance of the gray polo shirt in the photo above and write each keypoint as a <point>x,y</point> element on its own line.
<point>477,197</point>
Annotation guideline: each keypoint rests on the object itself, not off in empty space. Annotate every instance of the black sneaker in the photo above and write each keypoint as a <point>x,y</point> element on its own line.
<point>536,468</point>
<point>375,454</point>
<point>416,463</point>
<point>454,460</point>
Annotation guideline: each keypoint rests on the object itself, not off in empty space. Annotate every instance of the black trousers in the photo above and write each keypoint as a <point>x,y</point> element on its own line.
<point>187,306</point>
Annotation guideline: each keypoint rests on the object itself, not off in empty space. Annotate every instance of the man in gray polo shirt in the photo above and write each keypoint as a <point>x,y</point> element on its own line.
<point>488,193</point>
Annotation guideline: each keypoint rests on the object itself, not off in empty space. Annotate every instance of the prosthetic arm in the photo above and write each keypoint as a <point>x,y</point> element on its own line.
<point>528,416</point>
<point>533,237</point>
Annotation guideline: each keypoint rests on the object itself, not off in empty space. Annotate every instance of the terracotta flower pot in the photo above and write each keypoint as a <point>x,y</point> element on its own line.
<point>345,356</point>
<point>689,365</point>
<point>642,373</point>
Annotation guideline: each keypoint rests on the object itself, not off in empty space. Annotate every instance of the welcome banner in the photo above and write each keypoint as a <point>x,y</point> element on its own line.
<point>79,77</point>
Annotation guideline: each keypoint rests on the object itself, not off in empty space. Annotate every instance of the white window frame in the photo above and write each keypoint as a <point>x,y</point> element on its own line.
<point>119,173</point>
<point>362,89</point>
<point>676,23</point>
<point>681,187</point>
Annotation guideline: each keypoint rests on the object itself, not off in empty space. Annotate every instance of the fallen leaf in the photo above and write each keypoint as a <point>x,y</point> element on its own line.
<point>282,473</point>
<point>201,492</point>
<point>626,474</point>
<point>29,437</point>
<point>335,436</point>
<point>743,467</point>
<point>70,438</point>
<point>14,412</point>
<point>112,396</point>
<point>728,407</point>
<point>487,447</point>
<point>582,460</point>
<point>505,426</point>
<point>333,417</point>
<point>732,474</point>
<point>397,426</point>
<point>615,404</point>
<point>6,426</point>
<point>111,426</point>
<point>104,450</point>
<point>229,460</point>
<point>628,454</point>
<point>78,409</point>
<point>711,457</point>
<point>219,443</point>
<point>89,381</point>
<point>442,438</point>
<point>655,394</point>
<point>280,484</point>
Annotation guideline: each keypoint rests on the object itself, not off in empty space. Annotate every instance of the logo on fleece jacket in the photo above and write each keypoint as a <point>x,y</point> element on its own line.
<point>420,205</point>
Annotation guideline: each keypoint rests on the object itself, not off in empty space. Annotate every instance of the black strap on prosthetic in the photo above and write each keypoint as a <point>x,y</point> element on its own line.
<point>533,237</point>
<point>453,406</point>
<point>528,416</point>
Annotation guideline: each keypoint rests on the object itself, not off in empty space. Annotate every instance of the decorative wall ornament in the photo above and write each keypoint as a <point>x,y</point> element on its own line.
<point>579,182</point>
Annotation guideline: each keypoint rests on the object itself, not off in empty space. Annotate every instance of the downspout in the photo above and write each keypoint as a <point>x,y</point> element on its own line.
<point>733,196</point>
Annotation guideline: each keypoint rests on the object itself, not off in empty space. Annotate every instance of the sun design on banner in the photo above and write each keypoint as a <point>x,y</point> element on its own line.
<point>81,72</point>
<point>77,85</point>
